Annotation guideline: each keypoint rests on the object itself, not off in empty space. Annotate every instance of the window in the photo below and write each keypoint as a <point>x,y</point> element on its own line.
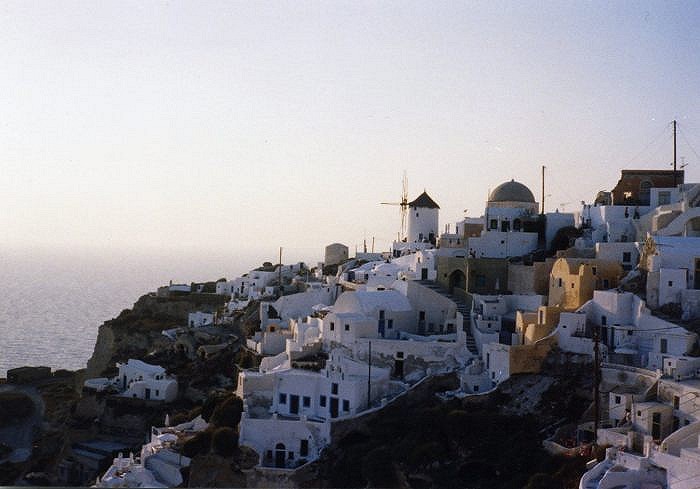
<point>390,324</point>
<point>629,332</point>
<point>303,448</point>
<point>347,327</point>
<point>639,414</point>
<point>283,398</point>
<point>603,321</point>
<point>560,282</point>
<point>606,283</point>
<point>334,389</point>
<point>332,326</point>
<point>346,405</point>
<point>676,402</point>
<point>626,257</point>
<point>493,375</point>
<point>663,347</point>
<point>399,354</point>
<point>493,224</point>
<point>664,198</point>
<point>306,401</point>
<point>670,283</point>
<point>618,399</point>
<point>476,388</point>
<point>291,455</point>
<point>572,285</point>
<point>481,280</point>
<point>595,270</point>
<point>322,401</point>
<point>157,393</point>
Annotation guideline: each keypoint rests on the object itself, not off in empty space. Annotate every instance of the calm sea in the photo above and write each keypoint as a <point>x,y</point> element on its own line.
<point>52,303</point>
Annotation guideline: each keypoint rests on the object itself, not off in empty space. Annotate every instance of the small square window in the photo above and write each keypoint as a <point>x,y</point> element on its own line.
<point>347,327</point>
<point>639,413</point>
<point>626,257</point>
<point>283,398</point>
<point>670,283</point>
<point>618,399</point>
<point>346,405</point>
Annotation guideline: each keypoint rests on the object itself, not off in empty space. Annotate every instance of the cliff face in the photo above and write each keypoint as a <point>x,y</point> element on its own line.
<point>138,331</point>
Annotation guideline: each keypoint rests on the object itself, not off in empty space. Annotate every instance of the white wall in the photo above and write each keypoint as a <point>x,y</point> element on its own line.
<point>422,221</point>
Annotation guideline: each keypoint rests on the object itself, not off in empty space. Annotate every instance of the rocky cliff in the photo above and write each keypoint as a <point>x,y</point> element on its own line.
<point>137,332</point>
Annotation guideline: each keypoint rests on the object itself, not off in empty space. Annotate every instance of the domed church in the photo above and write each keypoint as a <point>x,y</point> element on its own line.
<point>510,223</point>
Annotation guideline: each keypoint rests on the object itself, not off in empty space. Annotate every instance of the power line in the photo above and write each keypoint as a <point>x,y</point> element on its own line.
<point>689,145</point>
<point>653,141</point>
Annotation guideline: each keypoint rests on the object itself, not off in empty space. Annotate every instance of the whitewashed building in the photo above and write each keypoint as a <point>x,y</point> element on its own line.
<point>200,319</point>
<point>509,207</point>
<point>139,380</point>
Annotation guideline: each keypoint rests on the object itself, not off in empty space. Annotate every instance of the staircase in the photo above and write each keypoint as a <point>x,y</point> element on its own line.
<point>461,307</point>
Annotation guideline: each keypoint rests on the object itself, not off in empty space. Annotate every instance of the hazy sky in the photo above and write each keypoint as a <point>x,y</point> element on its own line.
<point>233,125</point>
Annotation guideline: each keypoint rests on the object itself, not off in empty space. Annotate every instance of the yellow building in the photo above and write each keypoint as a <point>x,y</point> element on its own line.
<point>533,326</point>
<point>573,280</point>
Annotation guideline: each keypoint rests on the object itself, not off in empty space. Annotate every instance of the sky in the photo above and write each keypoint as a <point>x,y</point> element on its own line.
<point>225,127</point>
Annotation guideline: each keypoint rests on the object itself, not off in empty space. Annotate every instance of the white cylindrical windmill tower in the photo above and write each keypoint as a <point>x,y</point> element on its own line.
<point>423,216</point>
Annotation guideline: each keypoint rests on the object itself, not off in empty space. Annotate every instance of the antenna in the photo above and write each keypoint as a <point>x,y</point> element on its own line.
<point>543,167</point>
<point>674,153</point>
<point>403,206</point>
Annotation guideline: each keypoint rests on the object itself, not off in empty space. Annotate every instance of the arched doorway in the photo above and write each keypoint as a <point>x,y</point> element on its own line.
<point>458,281</point>
<point>280,455</point>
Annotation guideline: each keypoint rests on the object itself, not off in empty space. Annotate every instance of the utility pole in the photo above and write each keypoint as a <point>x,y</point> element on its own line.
<point>543,167</point>
<point>280,272</point>
<point>674,153</point>
<point>596,380</point>
<point>369,376</point>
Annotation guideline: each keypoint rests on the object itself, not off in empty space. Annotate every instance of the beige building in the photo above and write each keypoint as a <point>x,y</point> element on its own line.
<point>573,280</point>
<point>533,326</point>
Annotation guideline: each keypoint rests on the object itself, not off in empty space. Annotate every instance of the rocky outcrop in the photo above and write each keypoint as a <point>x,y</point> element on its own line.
<point>137,331</point>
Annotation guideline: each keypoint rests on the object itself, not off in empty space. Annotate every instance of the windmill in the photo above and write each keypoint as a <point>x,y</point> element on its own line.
<point>403,204</point>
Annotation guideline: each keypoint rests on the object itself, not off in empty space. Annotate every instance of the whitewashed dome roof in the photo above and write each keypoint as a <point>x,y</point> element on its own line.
<point>511,192</point>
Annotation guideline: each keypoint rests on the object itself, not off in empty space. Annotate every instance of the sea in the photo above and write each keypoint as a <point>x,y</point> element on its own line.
<point>53,301</point>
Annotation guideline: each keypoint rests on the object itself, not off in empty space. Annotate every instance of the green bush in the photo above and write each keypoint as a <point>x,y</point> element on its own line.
<point>224,442</point>
<point>15,405</point>
<point>543,481</point>
<point>197,445</point>
<point>228,413</point>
